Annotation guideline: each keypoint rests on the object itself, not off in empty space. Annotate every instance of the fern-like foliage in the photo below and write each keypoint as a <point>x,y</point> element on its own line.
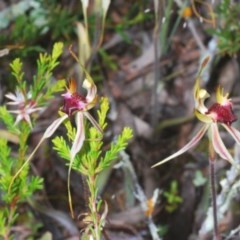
<point>61,146</point>
<point>8,119</point>
<point>115,148</point>
<point>27,99</point>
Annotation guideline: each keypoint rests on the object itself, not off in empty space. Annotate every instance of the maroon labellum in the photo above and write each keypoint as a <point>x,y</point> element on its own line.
<point>222,113</point>
<point>72,103</point>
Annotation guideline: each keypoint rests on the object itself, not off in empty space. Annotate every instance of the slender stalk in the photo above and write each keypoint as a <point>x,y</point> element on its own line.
<point>213,193</point>
<point>160,43</point>
<point>23,136</point>
<point>93,206</point>
<point>154,110</point>
<point>212,160</point>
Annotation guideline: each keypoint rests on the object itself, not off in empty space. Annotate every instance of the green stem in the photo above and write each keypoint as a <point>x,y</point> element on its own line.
<point>23,136</point>
<point>93,206</point>
<point>11,213</point>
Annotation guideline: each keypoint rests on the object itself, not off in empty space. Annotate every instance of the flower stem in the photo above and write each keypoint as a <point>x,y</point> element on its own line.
<point>212,160</point>
<point>93,206</point>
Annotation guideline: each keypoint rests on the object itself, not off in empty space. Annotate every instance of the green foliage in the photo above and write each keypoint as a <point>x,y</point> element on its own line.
<point>165,27</point>
<point>3,223</point>
<point>107,59</point>
<point>162,230</point>
<point>102,113</point>
<point>92,160</point>
<point>27,97</point>
<point>71,130</point>
<point>88,160</point>
<point>31,21</point>
<point>17,72</point>
<point>21,190</point>
<point>228,32</point>
<point>115,148</point>
<point>8,120</point>
<point>61,146</point>
<point>173,199</point>
<point>42,88</point>
<point>41,81</point>
<point>25,30</point>
<point>135,16</point>
<point>60,20</point>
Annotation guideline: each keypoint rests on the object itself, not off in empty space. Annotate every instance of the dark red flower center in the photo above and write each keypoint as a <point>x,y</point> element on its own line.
<point>223,113</point>
<point>73,103</point>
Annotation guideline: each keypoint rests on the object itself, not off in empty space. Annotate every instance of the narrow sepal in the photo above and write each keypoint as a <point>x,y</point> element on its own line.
<point>53,127</point>
<point>234,132</point>
<point>80,135</point>
<point>188,146</point>
<point>218,144</point>
<point>77,145</point>
<point>93,121</point>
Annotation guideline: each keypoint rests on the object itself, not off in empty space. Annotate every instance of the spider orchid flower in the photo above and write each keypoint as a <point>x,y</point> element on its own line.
<point>75,103</point>
<point>219,113</point>
<point>25,107</point>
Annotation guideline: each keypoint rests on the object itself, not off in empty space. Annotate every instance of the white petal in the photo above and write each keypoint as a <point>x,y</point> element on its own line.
<point>17,98</point>
<point>80,135</point>
<point>105,6</point>
<point>15,111</point>
<point>93,121</point>
<point>11,96</point>
<point>19,118</point>
<point>91,89</point>
<point>234,132</point>
<point>189,145</point>
<point>53,127</point>
<point>85,3</point>
<point>104,214</point>
<point>77,145</point>
<point>218,144</point>
<point>28,120</point>
<point>31,110</point>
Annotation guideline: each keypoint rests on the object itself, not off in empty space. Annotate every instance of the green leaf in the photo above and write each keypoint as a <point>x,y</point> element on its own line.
<point>62,148</point>
<point>115,148</point>
<point>71,131</point>
<point>57,50</point>
<point>8,120</point>
<point>16,67</point>
<point>102,112</point>
<point>56,87</point>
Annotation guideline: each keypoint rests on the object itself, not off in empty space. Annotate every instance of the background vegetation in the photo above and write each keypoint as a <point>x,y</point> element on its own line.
<point>144,57</point>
